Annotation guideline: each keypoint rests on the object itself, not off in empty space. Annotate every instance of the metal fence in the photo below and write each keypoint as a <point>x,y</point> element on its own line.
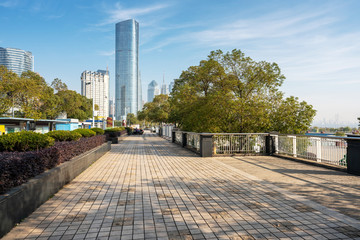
<point>239,143</point>
<point>321,149</point>
<point>329,150</point>
<point>178,137</point>
<point>193,140</point>
<point>167,131</point>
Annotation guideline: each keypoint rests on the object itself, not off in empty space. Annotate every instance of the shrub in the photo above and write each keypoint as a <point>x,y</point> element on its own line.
<point>111,130</point>
<point>24,141</point>
<point>62,135</point>
<point>98,131</point>
<point>17,167</point>
<point>129,130</point>
<point>85,132</point>
<point>117,129</point>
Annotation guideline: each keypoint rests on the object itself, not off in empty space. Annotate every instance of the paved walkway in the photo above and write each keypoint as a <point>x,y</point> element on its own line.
<point>148,188</point>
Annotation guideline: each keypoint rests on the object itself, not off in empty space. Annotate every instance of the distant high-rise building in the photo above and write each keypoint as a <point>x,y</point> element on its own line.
<point>153,90</point>
<point>171,85</point>
<point>111,108</point>
<point>164,89</point>
<point>100,79</point>
<point>16,60</point>
<point>127,80</point>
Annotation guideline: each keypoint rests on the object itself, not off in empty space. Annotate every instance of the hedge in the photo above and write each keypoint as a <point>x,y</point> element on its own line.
<point>24,141</point>
<point>129,130</point>
<point>17,168</point>
<point>98,131</point>
<point>85,132</point>
<point>62,135</point>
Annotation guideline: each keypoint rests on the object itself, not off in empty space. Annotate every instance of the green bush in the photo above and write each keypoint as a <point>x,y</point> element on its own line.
<point>98,131</point>
<point>85,132</point>
<point>129,130</point>
<point>61,135</point>
<point>109,130</point>
<point>24,141</point>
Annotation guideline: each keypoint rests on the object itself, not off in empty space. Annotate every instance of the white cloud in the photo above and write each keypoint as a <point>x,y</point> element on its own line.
<point>119,13</point>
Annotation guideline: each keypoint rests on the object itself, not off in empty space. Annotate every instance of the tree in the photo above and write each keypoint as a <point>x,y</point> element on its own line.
<point>233,93</point>
<point>8,89</point>
<point>58,85</point>
<point>156,111</point>
<point>131,119</point>
<point>75,105</point>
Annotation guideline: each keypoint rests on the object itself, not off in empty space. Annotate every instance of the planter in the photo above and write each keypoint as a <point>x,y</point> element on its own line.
<point>21,201</point>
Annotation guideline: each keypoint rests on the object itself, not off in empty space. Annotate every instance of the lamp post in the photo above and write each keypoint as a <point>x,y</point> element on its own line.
<point>113,107</point>
<point>93,102</point>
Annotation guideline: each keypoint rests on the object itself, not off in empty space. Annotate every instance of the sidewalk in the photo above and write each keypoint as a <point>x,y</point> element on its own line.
<point>148,188</point>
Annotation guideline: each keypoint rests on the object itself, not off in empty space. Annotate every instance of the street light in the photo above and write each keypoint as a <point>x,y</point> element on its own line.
<point>93,103</point>
<point>93,100</point>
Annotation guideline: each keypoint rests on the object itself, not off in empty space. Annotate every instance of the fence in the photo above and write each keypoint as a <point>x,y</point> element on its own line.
<point>179,137</point>
<point>167,131</point>
<point>321,149</point>
<point>239,143</point>
<point>193,141</point>
<point>340,152</point>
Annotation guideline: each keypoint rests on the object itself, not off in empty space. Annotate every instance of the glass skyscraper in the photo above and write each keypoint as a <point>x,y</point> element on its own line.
<point>127,79</point>
<point>16,60</point>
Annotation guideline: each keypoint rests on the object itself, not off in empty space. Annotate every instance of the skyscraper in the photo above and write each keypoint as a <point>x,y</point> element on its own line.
<point>100,79</point>
<point>171,85</point>
<point>16,60</point>
<point>164,89</point>
<point>127,80</point>
<point>153,90</point>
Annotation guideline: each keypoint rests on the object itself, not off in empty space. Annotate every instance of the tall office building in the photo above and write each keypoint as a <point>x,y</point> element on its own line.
<point>16,60</point>
<point>127,80</point>
<point>164,89</point>
<point>95,85</point>
<point>171,85</point>
<point>153,90</point>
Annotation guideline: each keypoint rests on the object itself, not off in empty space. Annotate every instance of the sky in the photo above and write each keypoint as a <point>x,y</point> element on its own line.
<point>315,43</point>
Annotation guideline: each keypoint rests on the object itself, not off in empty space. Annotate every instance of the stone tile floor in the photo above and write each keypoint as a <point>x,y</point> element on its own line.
<point>148,188</point>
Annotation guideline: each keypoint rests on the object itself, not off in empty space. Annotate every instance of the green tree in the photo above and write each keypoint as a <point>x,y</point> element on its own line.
<point>8,89</point>
<point>156,111</point>
<point>58,85</point>
<point>75,105</point>
<point>230,92</point>
<point>131,119</point>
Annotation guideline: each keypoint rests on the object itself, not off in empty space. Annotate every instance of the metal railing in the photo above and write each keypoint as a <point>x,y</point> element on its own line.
<point>329,150</point>
<point>239,143</point>
<point>178,137</point>
<point>193,140</point>
<point>167,131</point>
<point>321,149</point>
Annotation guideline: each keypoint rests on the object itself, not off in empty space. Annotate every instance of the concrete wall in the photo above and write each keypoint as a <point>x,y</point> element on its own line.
<point>21,201</point>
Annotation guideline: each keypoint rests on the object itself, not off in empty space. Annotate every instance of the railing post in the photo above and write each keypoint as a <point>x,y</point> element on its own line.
<point>206,143</point>
<point>276,144</point>
<point>294,145</point>
<point>318,148</point>
<point>184,139</point>
<point>353,156</point>
<point>173,135</point>
<point>269,145</point>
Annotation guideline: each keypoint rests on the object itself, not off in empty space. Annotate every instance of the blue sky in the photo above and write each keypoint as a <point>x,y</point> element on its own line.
<point>316,43</point>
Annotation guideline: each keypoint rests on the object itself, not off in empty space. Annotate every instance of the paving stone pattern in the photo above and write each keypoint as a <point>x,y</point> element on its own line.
<point>148,188</point>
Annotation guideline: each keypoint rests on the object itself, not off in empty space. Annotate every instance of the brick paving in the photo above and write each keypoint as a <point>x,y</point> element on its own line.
<point>148,188</point>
